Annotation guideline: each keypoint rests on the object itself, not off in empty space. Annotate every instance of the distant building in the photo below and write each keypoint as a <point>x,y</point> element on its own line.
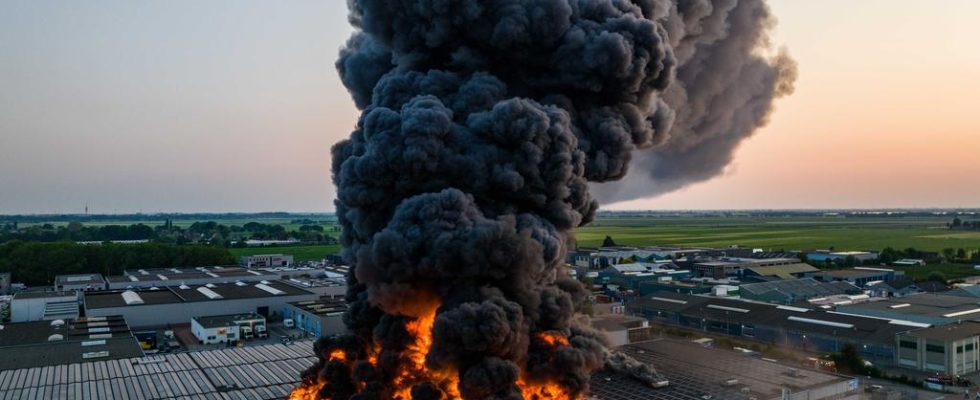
<point>161,277</point>
<point>951,349</point>
<point>69,341</point>
<point>859,276</point>
<point>820,256</point>
<point>267,260</point>
<point>803,328</point>
<point>735,267</point>
<point>317,317</point>
<point>790,291</point>
<point>621,330</point>
<point>38,306</point>
<point>82,282</point>
<point>631,275</point>
<point>909,262</point>
<point>225,328</point>
<point>178,304</point>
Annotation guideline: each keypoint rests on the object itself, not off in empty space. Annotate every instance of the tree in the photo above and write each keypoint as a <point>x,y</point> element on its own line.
<point>850,261</point>
<point>961,254</point>
<point>957,222</point>
<point>949,253</point>
<point>608,242</point>
<point>936,276</point>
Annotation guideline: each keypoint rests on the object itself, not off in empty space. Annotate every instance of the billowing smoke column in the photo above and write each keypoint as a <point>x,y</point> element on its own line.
<point>483,122</point>
<point>723,92</point>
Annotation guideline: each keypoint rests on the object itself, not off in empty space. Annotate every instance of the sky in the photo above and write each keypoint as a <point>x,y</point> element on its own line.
<point>232,105</point>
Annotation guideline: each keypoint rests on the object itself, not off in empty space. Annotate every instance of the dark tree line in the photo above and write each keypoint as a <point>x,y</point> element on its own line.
<point>37,263</point>
<point>964,225</point>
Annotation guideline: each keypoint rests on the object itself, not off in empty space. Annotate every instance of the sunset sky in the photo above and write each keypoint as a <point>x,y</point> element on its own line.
<point>182,106</point>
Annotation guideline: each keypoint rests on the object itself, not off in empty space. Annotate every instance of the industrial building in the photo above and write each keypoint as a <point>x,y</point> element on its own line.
<point>632,274</point>
<point>251,372</point>
<point>821,256</point>
<point>858,276</point>
<point>735,267</point>
<point>791,291</point>
<point>226,328</point>
<point>160,277</point>
<point>796,327</point>
<point>82,282</point>
<point>621,330</point>
<point>317,317</point>
<point>323,287</point>
<point>37,306</point>
<point>178,304</point>
<point>951,349</point>
<point>267,260</point>
<point>49,343</point>
<point>926,308</point>
<point>698,373</point>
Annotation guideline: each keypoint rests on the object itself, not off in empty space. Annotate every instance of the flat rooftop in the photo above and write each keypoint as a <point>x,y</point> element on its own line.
<point>928,305</point>
<point>43,295</point>
<point>79,279</point>
<point>219,321</point>
<point>251,372</point>
<point>949,332</point>
<point>322,307</point>
<point>192,293</point>
<point>178,274</point>
<point>43,343</point>
<point>695,372</point>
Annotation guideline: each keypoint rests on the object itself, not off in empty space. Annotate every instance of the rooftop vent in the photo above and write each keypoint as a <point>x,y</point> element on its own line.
<point>210,285</point>
<point>162,277</point>
<point>184,286</point>
<point>240,283</point>
<point>56,337</point>
<point>58,322</point>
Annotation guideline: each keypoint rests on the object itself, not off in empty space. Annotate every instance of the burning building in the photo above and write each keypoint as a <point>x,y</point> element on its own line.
<point>482,124</point>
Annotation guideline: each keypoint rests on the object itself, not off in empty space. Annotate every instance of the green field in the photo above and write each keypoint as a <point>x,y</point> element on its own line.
<point>790,233</point>
<point>299,253</point>
<point>950,271</point>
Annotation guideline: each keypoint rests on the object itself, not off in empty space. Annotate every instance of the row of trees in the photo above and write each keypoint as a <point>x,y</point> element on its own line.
<point>208,232</point>
<point>37,263</point>
<point>965,225</point>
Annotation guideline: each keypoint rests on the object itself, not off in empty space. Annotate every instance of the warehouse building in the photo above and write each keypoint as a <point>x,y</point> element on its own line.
<point>795,327</point>
<point>37,306</point>
<point>267,260</point>
<point>83,282</point>
<point>821,256</point>
<point>160,277</point>
<point>178,304</point>
<point>323,287</point>
<point>698,373</point>
<point>859,276</point>
<point>926,308</point>
<point>48,343</point>
<point>226,328</point>
<point>951,349</point>
<point>251,372</point>
<point>317,317</point>
<point>791,291</point>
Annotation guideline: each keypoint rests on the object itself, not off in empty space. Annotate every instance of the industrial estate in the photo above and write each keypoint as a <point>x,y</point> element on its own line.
<point>708,320</point>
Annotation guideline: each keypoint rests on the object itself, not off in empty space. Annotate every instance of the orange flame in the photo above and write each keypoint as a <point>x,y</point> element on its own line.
<point>414,370</point>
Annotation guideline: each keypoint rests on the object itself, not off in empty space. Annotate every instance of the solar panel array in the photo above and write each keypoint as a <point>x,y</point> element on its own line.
<point>258,372</point>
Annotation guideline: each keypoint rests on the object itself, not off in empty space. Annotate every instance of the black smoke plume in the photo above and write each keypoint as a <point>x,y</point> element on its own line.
<point>723,92</point>
<point>483,122</point>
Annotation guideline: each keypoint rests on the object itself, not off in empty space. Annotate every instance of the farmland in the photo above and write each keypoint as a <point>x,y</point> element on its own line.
<point>780,233</point>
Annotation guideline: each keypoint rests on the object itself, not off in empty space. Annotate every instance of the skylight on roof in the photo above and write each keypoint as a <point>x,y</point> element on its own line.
<point>210,293</point>
<point>734,309</point>
<point>820,322</point>
<point>962,313</point>
<point>131,298</point>
<point>270,289</point>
